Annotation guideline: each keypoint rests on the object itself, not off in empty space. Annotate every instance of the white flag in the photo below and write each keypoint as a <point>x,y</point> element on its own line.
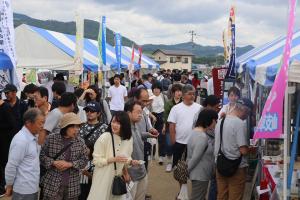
<point>7,41</point>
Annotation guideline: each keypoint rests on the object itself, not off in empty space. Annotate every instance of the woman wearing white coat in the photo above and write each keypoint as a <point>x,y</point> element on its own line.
<point>104,160</point>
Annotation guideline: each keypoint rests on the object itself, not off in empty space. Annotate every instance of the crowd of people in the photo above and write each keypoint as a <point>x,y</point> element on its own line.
<point>62,143</point>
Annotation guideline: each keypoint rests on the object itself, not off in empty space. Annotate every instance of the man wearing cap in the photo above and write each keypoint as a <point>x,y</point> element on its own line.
<point>93,128</point>
<point>234,144</point>
<point>18,106</point>
<point>90,132</point>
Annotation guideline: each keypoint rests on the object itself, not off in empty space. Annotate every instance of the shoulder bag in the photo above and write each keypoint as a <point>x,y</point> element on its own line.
<point>119,184</point>
<point>85,138</point>
<point>180,172</point>
<point>225,166</point>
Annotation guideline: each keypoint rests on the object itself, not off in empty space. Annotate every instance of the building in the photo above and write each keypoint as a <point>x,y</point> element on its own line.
<point>173,59</point>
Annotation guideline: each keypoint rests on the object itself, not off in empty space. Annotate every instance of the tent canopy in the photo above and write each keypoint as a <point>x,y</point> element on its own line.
<point>263,62</point>
<point>5,62</point>
<point>38,47</point>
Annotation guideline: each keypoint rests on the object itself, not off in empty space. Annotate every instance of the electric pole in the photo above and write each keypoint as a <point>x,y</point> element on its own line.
<point>192,34</point>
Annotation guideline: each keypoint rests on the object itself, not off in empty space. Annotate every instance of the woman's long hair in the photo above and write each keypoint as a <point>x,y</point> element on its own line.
<point>124,120</point>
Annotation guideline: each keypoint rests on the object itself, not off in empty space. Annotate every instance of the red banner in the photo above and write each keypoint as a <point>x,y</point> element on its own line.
<point>218,75</point>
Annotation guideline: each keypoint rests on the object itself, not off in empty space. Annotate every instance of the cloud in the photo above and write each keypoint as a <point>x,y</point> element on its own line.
<point>169,21</point>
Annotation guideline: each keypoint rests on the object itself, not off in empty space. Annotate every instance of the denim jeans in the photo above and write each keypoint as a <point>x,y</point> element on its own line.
<point>212,194</point>
<point>169,150</point>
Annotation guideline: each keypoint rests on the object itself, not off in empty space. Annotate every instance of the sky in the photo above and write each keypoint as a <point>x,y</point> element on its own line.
<point>169,21</point>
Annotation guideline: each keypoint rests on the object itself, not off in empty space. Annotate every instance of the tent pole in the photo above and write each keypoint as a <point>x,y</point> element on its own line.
<point>285,149</point>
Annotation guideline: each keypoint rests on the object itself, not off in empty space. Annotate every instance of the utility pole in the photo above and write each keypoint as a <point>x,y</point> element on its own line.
<point>192,34</point>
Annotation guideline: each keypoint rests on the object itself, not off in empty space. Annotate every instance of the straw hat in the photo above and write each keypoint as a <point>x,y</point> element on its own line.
<point>68,119</point>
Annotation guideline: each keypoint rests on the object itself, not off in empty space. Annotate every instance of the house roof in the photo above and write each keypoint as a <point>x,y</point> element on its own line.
<point>174,52</point>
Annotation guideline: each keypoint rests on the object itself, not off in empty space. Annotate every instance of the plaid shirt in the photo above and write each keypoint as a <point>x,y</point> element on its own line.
<point>52,180</point>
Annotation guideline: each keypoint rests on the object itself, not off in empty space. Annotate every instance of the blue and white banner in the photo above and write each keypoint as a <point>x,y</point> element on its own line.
<point>118,41</point>
<point>104,40</point>
<point>7,44</point>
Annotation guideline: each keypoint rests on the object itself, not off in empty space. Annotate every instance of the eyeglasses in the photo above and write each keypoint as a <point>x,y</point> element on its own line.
<point>91,111</point>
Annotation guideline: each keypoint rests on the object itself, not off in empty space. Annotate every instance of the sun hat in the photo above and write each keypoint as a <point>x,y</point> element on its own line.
<point>69,119</point>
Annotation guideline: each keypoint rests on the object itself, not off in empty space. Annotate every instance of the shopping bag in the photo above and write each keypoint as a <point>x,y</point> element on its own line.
<point>128,196</point>
<point>183,194</point>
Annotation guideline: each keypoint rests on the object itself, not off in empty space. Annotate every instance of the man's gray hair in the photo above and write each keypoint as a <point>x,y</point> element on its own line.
<point>187,88</point>
<point>31,115</point>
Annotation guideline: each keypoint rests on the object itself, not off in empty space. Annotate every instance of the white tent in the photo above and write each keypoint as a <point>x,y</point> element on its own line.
<point>34,51</point>
<point>40,48</point>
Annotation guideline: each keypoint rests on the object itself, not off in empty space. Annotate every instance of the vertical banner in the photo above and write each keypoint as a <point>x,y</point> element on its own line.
<point>231,73</point>
<point>218,75</point>
<point>131,66</point>
<point>79,44</point>
<point>100,52</point>
<point>104,40</point>
<point>270,123</point>
<point>118,46</point>
<point>7,43</point>
<point>100,62</point>
<point>140,57</point>
<point>226,57</point>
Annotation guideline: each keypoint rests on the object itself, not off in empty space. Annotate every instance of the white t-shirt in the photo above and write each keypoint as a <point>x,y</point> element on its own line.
<point>158,104</point>
<point>117,95</point>
<point>183,116</point>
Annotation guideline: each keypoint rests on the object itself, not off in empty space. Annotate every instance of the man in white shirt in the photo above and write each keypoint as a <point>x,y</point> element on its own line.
<point>117,95</point>
<point>181,120</point>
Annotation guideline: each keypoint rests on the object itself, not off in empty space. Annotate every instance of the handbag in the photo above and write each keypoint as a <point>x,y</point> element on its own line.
<point>180,172</point>
<point>225,166</point>
<point>119,184</point>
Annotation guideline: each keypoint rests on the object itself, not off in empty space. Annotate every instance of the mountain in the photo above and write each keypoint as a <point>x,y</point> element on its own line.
<point>198,50</point>
<point>91,29</point>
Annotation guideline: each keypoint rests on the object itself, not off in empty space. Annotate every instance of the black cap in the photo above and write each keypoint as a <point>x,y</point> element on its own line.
<point>245,102</point>
<point>10,88</point>
<point>93,105</point>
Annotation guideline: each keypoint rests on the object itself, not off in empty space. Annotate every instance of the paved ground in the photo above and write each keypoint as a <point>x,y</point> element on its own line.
<point>162,186</point>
